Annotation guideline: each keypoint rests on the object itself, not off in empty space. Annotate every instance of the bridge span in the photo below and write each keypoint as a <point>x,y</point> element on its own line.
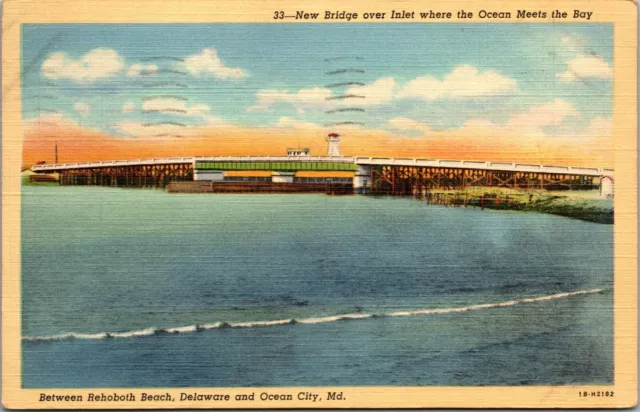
<point>370,174</point>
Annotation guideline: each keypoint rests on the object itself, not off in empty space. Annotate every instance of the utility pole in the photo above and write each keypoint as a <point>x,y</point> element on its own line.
<point>56,152</point>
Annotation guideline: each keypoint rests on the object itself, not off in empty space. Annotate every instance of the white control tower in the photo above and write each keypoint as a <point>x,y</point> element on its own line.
<point>334,144</point>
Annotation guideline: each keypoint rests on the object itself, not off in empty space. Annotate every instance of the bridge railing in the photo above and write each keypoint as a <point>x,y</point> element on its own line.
<point>473,164</point>
<point>180,160</point>
<point>334,159</point>
<point>107,163</point>
<point>359,160</point>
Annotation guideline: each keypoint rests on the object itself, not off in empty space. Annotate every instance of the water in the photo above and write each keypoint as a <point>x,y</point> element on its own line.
<point>121,270</point>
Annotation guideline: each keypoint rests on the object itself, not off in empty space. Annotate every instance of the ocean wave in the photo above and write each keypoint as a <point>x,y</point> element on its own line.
<point>315,320</point>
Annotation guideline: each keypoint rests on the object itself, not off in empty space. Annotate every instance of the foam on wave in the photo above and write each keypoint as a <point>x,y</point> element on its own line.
<point>315,320</point>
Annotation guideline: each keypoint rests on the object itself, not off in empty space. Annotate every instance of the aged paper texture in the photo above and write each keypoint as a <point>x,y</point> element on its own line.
<point>408,204</point>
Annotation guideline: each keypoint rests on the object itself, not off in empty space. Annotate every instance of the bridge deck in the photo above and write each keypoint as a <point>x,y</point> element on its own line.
<point>361,161</point>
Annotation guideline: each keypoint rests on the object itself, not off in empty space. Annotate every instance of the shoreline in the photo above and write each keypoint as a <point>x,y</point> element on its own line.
<point>581,205</point>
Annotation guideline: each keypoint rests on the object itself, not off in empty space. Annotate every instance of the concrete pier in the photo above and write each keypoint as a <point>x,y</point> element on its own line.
<point>208,175</point>
<point>282,177</point>
<point>362,180</point>
<point>606,186</point>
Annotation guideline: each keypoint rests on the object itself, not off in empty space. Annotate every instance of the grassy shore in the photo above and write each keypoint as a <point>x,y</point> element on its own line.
<point>27,182</point>
<point>584,205</point>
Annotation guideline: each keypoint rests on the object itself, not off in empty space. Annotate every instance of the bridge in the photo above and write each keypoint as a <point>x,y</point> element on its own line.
<point>370,174</point>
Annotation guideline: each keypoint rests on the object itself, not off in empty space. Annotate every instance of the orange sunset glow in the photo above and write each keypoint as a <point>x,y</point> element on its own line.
<point>79,145</point>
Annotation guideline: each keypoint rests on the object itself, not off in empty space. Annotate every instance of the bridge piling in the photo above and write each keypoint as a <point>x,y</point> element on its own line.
<point>406,180</point>
<point>370,175</point>
<point>362,179</point>
<point>126,176</point>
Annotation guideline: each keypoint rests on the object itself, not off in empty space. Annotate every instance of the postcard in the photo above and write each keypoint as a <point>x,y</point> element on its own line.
<point>258,205</point>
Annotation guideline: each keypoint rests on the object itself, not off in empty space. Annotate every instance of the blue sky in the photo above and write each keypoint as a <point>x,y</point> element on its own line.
<point>419,78</point>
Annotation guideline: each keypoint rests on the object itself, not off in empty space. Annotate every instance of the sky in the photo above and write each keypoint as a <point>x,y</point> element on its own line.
<point>535,92</point>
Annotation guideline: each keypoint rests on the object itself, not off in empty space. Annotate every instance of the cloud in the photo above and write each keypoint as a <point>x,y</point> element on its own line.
<point>96,64</point>
<point>530,123</point>
<point>141,69</point>
<point>379,92</point>
<point>406,124</point>
<point>82,108</point>
<point>169,129</point>
<point>463,83</point>
<point>288,122</point>
<point>201,113</point>
<point>207,62</point>
<point>51,119</point>
<point>582,67</point>
<point>305,98</point>
<point>599,126</point>
<point>139,129</point>
<point>214,121</point>
<point>552,114</point>
<point>174,106</point>
<point>128,107</point>
<point>573,42</point>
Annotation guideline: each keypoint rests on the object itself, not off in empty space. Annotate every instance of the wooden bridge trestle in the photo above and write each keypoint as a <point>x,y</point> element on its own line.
<point>396,180</point>
<point>406,180</point>
<point>128,176</point>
